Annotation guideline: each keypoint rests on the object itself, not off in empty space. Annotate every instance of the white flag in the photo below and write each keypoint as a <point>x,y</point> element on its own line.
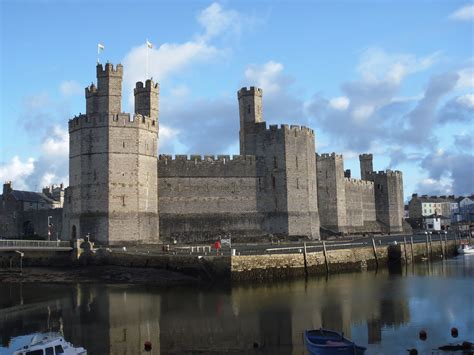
<point>100,48</point>
<point>148,44</point>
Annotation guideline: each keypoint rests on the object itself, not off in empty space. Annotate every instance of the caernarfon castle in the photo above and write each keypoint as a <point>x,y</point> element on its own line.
<point>121,191</point>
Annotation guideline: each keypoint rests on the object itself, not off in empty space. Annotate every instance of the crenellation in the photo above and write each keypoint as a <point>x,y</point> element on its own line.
<point>109,69</point>
<point>251,91</point>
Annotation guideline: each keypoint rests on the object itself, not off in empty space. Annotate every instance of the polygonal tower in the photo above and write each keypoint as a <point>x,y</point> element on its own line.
<point>366,165</point>
<point>112,194</point>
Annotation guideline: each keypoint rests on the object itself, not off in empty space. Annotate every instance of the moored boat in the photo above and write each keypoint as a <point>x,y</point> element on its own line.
<point>327,342</point>
<point>465,249</point>
<point>49,343</point>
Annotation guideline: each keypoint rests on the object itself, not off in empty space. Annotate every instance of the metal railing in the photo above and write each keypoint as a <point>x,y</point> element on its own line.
<point>37,244</point>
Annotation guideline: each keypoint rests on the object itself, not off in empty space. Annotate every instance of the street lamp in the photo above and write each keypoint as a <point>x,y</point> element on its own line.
<point>49,227</point>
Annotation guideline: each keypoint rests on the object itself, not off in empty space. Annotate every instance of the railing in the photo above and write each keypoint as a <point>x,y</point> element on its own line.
<point>37,244</point>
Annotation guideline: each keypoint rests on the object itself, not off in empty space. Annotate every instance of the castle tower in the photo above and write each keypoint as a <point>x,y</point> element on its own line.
<point>331,191</point>
<point>250,110</point>
<point>112,194</point>
<point>388,187</point>
<point>366,165</point>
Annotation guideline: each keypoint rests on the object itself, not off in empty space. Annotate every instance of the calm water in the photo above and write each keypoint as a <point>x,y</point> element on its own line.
<point>383,311</point>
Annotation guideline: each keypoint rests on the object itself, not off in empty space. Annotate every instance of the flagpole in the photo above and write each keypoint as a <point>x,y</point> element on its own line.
<point>147,53</point>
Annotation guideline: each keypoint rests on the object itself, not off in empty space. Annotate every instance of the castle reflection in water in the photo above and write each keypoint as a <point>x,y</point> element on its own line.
<point>118,319</point>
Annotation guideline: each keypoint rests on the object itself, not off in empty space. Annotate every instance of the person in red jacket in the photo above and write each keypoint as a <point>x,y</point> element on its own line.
<point>217,245</point>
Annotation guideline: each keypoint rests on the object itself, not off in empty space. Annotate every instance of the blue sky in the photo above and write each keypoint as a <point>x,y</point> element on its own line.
<point>395,78</point>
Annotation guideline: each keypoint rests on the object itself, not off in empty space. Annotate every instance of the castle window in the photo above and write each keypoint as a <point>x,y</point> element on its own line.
<point>296,162</point>
<point>297,183</point>
<point>275,162</point>
<point>123,200</point>
<point>123,144</point>
<point>153,122</point>
<point>248,109</point>
<point>273,183</point>
<point>326,174</point>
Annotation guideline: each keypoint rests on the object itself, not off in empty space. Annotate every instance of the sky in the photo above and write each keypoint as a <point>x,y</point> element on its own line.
<point>393,78</point>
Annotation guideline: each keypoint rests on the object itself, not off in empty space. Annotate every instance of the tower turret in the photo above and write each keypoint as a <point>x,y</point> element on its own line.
<point>108,95</point>
<point>147,99</point>
<point>366,165</point>
<point>250,110</point>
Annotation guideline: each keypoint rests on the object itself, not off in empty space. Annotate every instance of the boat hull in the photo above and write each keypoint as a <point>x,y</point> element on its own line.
<point>328,342</point>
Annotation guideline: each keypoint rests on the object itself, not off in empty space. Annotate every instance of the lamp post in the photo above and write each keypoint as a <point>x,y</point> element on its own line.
<point>49,227</point>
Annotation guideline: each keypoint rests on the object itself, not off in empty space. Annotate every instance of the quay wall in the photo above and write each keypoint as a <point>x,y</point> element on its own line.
<point>245,267</point>
<point>283,266</point>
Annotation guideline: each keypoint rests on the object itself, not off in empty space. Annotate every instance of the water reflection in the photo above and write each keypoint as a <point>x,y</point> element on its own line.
<point>385,310</point>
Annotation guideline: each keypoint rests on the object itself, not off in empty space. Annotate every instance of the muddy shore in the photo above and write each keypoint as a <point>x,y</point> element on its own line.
<point>99,274</point>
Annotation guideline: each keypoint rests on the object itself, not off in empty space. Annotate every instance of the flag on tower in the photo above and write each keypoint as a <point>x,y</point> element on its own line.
<point>100,48</point>
<point>148,44</point>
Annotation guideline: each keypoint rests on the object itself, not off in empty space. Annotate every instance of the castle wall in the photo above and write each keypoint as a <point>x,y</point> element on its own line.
<point>206,197</point>
<point>331,194</point>
<point>360,206</point>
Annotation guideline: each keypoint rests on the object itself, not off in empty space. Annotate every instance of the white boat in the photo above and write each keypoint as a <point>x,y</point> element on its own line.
<point>49,344</point>
<point>465,249</point>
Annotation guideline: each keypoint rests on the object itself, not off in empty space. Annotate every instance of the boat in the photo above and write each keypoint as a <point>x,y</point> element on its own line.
<point>49,344</point>
<point>327,342</point>
<point>465,249</point>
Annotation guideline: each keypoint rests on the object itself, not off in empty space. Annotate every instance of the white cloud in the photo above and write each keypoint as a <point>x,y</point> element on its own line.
<point>70,88</point>
<point>466,77</point>
<point>465,13</point>
<point>166,136</point>
<point>362,113</point>
<point>57,144</point>
<point>339,103</point>
<point>376,65</point>
<point>466,100</point>
<point>216,20</point>
<point>267,76</point>
<point>16,171</point>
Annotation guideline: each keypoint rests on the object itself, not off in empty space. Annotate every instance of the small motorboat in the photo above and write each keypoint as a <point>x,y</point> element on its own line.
<point>49,343</point>
<point>327,342</point>
<point>465,249</point>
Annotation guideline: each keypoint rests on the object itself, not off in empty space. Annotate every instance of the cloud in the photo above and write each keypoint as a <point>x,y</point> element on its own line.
<point>457,167</point>
<point>216,21</point>
<point>50,167</point>
<point>465,13</point>
<point>460,108</point>
<point>339,103</point>
<point>70,88</point>
<point>464,142</point>
<point>17,171</point>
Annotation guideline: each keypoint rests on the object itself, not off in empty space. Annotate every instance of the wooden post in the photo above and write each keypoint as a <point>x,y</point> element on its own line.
<point>431,246</point>
<point>305,261</point>
<point>375,253</point>
<point>411,246</point>
<point>441,243</point>
<point>326,257</point>
<point>427,248</point>
<point>405,249</point>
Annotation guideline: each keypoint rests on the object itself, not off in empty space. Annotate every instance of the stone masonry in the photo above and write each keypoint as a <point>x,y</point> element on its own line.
<point>277,185</point>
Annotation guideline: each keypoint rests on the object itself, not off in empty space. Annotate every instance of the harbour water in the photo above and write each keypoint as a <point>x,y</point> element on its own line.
<point>383,310</point>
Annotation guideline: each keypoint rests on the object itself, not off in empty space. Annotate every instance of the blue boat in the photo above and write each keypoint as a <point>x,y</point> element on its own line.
<point>327,342</point>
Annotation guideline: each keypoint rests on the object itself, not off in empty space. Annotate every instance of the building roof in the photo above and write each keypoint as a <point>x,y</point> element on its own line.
<point>30,196</point>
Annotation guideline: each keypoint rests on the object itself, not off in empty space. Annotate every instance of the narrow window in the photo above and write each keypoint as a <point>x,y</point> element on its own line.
<point>296,162</point>
<point>275,162</point>
<point>123,200</point>
<point>297,183</point>
<point>123,144</point>
<point>248,109</point>
<point>273,182</point>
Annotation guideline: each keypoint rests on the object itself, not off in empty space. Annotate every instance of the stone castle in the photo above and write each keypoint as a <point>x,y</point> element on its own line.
<point>121,191</point>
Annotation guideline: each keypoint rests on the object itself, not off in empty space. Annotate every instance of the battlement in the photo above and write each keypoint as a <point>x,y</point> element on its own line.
<point>365,156</point>
<point>109,70</point>
<point>359,183</point>
<point>111,120</point>
<point>327,156</point>
<point>285,128</point>
<point>149,86</point>
<point>207,158</point>
<point>91,90</point>
<point>388,172</point>
<point>252,91</point>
